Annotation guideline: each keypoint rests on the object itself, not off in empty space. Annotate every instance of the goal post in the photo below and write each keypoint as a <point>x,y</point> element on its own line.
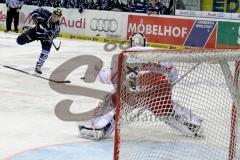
<point>178,104</point>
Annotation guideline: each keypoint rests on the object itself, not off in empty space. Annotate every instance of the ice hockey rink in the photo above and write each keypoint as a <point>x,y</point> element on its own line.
<point>30,129</point>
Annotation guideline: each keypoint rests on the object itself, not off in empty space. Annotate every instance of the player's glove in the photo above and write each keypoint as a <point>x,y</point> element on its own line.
<point>35,21</point>
<point>49,35</point>
<point>44,25</point>
<point>39,21</point>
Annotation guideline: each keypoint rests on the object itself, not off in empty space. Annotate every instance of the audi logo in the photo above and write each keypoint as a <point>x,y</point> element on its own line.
<point>104,25</point>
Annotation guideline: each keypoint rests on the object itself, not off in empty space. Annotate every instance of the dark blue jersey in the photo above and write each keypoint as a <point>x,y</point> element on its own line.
<point>160,8</point>
<point>41,14</point>
<point>103,5</point>
<point>68,3</point>
<point>139,6</point>
<point>44,24</point>
<point>157,8</point>
<point>84,4</point>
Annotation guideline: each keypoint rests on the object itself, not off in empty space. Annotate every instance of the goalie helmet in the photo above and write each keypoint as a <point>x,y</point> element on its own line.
<point>137,40</point>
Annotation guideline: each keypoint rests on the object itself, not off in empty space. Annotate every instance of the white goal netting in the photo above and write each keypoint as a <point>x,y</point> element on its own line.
<point>178,105</point>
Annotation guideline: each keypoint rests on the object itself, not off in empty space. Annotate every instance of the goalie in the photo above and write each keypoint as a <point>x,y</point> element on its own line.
<point>157,82</point>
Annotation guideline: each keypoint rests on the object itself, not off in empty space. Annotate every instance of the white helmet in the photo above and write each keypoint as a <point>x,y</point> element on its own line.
<point>137,40</point>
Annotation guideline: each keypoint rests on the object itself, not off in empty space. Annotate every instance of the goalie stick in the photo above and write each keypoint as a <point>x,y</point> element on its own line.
<point>31,74</point>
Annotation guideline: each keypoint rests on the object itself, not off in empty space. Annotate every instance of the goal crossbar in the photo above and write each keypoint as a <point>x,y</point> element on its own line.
<point>187,55</point>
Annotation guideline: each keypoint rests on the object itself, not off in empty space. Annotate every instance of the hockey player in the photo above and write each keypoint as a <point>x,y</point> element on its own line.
<point>47,27</point>
<point>155,7</point>
<point>68,4</point>
<point>161,103</point>
<point>139,6</point>
<point>120,6</point>
<point>83,4</point>
<point>102,5</point>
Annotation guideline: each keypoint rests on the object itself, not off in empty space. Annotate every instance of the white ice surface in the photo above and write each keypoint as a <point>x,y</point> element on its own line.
<point>27,103</point>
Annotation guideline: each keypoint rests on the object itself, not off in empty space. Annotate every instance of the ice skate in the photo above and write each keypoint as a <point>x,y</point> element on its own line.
<point>38,69</point>
<point>185,121</point>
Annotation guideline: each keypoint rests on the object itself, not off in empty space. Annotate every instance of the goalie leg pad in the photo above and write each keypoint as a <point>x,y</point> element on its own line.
<point>90,133</point>
<point>185,121</point>
<point>99,127</point>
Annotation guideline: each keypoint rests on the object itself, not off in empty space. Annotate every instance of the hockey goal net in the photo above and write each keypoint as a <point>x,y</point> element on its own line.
<point>154,86</point>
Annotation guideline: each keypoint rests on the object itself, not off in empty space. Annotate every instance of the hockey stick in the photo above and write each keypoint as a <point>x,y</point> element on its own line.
<point>54,45</point>
<point>38,76</point>
<point>51,41</point>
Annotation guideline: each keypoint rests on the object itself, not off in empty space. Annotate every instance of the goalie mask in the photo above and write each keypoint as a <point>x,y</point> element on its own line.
<point>137,40</point>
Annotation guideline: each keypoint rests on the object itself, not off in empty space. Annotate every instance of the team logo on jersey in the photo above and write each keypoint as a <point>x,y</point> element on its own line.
<point>131,78</point>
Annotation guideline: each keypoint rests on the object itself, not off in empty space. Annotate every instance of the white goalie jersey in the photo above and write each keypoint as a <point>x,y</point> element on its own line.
<point>108,75</point>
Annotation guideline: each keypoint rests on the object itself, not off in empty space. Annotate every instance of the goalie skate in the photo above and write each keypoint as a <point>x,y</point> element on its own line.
<point>89,133</point>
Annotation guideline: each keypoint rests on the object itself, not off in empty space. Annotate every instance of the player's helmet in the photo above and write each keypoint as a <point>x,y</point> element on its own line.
<point>57,12</point>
